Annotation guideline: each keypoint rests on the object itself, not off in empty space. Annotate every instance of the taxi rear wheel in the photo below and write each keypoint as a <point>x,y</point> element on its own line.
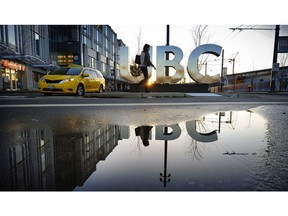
<point>80,90</point>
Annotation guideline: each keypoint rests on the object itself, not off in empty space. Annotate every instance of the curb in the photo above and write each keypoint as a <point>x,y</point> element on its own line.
<point>137,95</point>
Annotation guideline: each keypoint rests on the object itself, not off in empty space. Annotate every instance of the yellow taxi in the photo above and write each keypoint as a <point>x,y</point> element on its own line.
<point>72,80</point>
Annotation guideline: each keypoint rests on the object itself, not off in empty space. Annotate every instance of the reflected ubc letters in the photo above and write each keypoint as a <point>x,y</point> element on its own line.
<point>44,158</point>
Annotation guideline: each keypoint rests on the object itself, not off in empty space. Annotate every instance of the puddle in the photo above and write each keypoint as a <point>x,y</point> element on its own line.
<point>220,151</point>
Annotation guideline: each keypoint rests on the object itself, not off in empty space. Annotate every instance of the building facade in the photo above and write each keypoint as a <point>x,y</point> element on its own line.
<point>48,159</point>
<point>21,48</point>
<point>28,52</point>
<point>256,81</point>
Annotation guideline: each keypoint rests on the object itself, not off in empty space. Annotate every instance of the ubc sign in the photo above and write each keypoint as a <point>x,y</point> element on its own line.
<point>161,63</point>
<point>176,131</point>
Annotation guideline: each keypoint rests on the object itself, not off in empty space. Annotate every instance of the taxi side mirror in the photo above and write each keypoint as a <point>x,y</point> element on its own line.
<point>85,75</point>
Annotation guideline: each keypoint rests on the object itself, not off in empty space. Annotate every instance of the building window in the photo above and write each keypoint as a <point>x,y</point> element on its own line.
<point>103,67</point>
<point>37,40</point>
<point>11,35</point>
<point>37,44</point>
<point>1,33</point>
<point>91,62</point>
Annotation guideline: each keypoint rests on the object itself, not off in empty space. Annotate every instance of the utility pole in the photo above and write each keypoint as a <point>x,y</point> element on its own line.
<point>275,67</point>
<point>164,177</point>
<point>222,71</point>
<point>167,44</point>
<point>233,70</point>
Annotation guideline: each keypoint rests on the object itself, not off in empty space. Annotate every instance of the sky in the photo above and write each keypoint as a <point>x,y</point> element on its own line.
<point>252,49</point>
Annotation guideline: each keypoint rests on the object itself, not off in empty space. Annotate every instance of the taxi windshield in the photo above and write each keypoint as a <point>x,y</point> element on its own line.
<point>66,71</point>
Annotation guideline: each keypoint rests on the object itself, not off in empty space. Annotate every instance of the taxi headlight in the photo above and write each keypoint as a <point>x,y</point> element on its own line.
<point>67,80</point>
<point>42,80</point>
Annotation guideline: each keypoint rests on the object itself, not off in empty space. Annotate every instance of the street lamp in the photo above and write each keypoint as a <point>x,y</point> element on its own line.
<point>275,67</point>
<point>164,176</point>
<point>233,70</point>
<point>222,71</point>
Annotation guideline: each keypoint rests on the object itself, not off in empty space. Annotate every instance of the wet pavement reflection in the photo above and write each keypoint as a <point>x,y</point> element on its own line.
<point>220,151</point>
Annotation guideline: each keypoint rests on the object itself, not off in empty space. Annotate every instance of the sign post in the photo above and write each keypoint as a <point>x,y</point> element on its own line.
<point>283,44</point>
<point>275,53</point>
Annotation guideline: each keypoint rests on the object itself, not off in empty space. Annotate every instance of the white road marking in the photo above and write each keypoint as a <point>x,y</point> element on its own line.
<point>139,104</point>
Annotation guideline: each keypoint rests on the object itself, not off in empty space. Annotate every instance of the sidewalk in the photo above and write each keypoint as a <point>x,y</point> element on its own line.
<point>160,94</point>
<point>136,94</point>
<point>182,94</point>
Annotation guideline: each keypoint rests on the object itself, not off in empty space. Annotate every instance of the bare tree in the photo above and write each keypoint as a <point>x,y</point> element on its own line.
<point>139,41</point>
<point>138,46</point>
<point>283,58</point>
<point>200,36</point>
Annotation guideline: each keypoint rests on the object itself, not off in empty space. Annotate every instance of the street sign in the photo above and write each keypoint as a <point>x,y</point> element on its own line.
<point>275,67</point>
<point>283,44</point>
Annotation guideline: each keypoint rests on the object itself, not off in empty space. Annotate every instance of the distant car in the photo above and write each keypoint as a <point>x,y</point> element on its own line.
<point>72,80</point>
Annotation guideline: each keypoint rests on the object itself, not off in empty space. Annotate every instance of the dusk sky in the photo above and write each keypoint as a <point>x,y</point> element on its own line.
<point>252,49</point>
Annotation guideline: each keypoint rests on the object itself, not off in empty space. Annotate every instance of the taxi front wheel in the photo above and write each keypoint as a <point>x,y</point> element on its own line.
<point>80,90</point>
<point>101,89</point>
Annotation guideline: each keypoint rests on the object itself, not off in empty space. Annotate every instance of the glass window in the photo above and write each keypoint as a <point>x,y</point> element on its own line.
<point>99,74</point>
<point>92,62</point>
<point>66,71</point>
<point>11,35</point>
<point>93,74</point>
<point>103,67</point>
<point>1,33</point>
<point>88,42</point>
<point>99,37</point>
<point>86,71</point>
<point>89,61</point>
<point>37,44</point>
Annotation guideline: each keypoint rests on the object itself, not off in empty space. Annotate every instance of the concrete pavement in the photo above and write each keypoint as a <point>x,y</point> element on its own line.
<point>217,96</point>
<point>161,94</point>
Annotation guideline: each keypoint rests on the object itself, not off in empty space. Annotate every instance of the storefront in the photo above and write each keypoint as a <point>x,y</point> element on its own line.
<point>12,75</point>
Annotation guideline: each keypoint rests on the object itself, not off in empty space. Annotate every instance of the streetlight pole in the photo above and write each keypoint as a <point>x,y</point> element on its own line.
<point>274,65</point>
<point>167,44</point>
<point>164,176</point>
<point>222,71</point>
<point>233,72</point>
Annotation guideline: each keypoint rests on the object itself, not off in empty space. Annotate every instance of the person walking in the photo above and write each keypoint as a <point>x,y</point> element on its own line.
<point>144,133</point>
<point>145,63</point>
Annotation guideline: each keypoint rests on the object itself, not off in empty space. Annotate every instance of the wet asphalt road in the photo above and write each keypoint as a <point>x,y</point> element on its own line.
<point>36,110</point>
<point>128,108</point>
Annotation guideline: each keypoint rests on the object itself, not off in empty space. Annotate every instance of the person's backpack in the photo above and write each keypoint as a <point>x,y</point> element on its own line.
<point>137,59</point>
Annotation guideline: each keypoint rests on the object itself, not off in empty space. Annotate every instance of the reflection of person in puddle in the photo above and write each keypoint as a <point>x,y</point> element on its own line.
<point>143,132</point>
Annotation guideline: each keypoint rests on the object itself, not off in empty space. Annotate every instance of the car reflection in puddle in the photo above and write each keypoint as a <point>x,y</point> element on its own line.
<point>215,152</point>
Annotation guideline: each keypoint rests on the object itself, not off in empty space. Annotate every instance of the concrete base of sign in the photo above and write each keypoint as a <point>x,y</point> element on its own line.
<point>199,88</point>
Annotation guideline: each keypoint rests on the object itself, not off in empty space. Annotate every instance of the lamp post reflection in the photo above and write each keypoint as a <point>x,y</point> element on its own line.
<point>164,177</point>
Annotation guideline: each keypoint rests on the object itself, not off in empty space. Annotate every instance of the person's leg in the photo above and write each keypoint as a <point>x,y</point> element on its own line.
<point>145,73</point>
<point>146,79</point>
